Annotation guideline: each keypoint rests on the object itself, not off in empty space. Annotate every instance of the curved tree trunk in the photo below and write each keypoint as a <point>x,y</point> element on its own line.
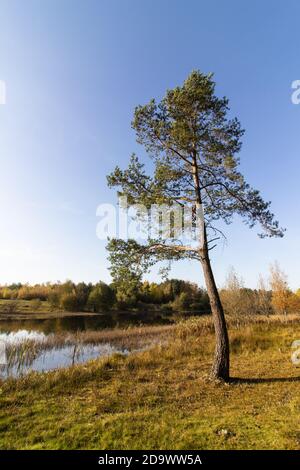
<point>220,368</point>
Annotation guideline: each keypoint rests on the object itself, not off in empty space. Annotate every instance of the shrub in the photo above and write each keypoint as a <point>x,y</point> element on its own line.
<point>181,302</point>
<point>101,298</point>
<point>69,302</point>
<point>54,299</point>
<point>82,292</point>
<point>7,293</point>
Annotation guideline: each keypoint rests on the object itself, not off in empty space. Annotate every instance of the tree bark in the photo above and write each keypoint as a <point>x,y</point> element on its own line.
<point>220,368</point>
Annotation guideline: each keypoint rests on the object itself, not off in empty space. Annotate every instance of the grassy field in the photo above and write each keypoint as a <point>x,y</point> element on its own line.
<point>33,309</point>
<point>24,306</point>
<point>163,399</point>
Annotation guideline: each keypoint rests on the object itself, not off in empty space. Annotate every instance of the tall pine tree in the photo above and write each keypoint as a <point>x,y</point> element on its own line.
<point>194,147</point>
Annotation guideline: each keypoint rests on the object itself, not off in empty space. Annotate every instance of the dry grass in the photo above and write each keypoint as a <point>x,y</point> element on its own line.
<point>162,398</point>
<point>23,353</point>
<point>127,338</point>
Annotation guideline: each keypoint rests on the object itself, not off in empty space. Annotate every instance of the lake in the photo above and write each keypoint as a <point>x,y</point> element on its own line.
<point>29,345</point>
<point>85,322</point>
<point>21,361</point>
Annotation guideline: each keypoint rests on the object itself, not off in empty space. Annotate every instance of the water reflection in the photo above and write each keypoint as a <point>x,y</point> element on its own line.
<point>32,344</point>
<point>25,351</point>
<point>17,337</point>
<point>84,322</point>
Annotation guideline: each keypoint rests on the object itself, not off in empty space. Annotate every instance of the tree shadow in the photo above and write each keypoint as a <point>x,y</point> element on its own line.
<point>263,380</point>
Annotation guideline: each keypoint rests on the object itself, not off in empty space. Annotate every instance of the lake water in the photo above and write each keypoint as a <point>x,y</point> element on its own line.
<point>84,322</point>
<point>14,334</point>
<point>43,360</point>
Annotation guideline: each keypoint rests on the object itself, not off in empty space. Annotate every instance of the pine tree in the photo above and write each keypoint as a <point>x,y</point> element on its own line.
<point>194,147</point>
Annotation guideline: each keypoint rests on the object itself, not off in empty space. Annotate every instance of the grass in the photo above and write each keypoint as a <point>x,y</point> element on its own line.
<point>26,351</point>
<point>162,398</point>
<point>14,307</point>
<point>32,309</point>
<point>18,309</point>
<point>133,337</point>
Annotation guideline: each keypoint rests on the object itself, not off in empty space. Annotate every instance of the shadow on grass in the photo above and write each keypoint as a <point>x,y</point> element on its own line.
<point>262,380</point>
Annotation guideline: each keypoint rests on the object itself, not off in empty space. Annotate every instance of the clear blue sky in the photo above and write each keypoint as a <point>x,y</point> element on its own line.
<point>74,71</point>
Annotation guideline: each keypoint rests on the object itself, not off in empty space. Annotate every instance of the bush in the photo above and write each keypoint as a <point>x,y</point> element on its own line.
<point>166,309</point>
<point>69,302</point>
<point>54,299</point>
<point>200,307</point>
<point>7,293</point>
<point>181,302</point>
<point>82,292</point>
<point>101,298</point>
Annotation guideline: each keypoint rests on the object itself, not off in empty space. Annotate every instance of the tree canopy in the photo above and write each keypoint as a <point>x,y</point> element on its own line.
<point>188,132</point>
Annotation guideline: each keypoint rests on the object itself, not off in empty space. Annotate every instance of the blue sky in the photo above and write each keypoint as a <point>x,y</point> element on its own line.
<point>75,70</point>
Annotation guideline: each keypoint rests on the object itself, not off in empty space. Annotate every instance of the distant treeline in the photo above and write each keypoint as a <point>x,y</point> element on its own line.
<point>175,295</point>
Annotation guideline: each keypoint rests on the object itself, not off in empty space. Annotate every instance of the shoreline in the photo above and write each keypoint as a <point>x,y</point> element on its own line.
<point>45,315</point>
<point>64,314</point>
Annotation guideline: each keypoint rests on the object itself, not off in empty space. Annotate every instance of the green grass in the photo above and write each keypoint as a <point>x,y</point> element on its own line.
<point>163,399</point>
<point>24,306</point>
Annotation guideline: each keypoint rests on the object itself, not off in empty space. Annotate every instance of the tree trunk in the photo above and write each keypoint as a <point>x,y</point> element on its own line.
<point>220,368</point>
